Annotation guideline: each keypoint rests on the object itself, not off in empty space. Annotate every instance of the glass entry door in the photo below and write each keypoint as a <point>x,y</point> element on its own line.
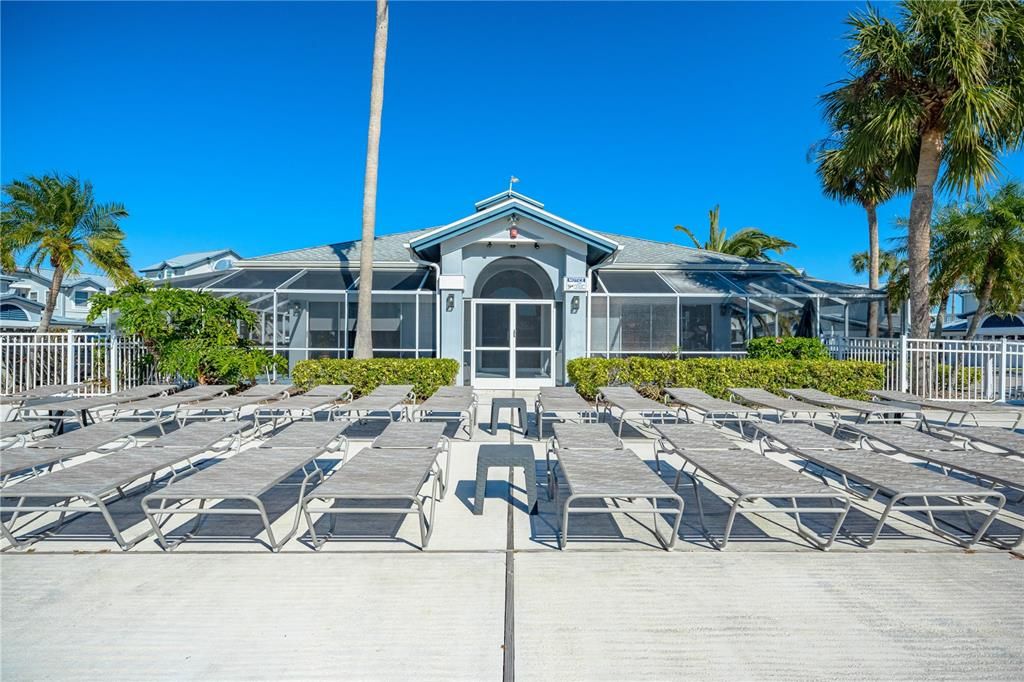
<point>513,344</point>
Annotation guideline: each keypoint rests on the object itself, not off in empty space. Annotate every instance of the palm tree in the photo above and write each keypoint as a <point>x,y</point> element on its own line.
<point>888,264</point>
<point>868,186</point>
<point>364,316</point>
<point>942,88</point>
<point>57,221</point>
<point>990,232</point>
<point>749,242</point>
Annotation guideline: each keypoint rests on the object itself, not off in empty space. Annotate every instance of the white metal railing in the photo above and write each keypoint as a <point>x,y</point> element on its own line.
<point>100,362</point>
<point>942,369</point>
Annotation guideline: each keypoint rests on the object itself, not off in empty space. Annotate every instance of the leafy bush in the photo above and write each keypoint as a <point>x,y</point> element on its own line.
<point>846,378</point>
<point>425,374</point>
<point>791,347</point>
<point>956,377</point>
<point>191,334</point>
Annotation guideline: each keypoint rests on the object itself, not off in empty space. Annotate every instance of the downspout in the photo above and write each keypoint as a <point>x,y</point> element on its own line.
<point>437,300</point>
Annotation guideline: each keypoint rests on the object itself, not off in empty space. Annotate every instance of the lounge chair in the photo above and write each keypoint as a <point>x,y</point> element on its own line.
<point>784,408</point>
<point>695,402</point>
<point>952,408</point>
<point>628,401</point>
<point>155,408</point>
<point>396,467</point>
<point>87,410</point>
<point>568,435</point>
<point>380,403</point>
<point>749,478</point>
<point>246,477</point>
<point>91,486</point>
<point>457,403</point>
<point>317,399</point>
<point>11,403</point>
<point>561,403</point>
<point>673,438</point>
<point>612,475</point>
<point>16,434</point>
<point>230,407</point>
<point>1006,441</point>
<point>44,454</point>
<point>865,411</point>
<point>883,476</point>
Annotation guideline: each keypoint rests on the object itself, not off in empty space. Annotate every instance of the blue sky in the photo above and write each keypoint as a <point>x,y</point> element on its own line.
<point>244,125</point>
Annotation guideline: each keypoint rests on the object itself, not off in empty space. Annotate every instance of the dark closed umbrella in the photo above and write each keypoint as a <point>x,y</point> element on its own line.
<point>808,321</point>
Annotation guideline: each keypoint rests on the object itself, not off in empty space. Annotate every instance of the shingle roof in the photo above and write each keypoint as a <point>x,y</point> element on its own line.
<point>185,260</point>
<point>69,280</point>
<point>387,248</point>
<point>637,251</point>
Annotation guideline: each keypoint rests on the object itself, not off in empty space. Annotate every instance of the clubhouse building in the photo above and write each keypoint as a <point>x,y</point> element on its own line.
<point>514,291</point>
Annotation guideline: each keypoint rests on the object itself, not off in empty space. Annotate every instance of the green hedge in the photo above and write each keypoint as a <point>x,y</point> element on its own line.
<point>846,378</point>
<point>426,374</point>
<point>789,347</point>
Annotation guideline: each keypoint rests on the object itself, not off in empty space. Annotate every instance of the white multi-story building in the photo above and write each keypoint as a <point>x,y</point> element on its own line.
<point>23,296</point>
<point>191,264</point>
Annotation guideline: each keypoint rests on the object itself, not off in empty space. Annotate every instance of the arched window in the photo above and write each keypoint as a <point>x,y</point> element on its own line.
<point>1002,321</point>
<point>514,278</point>
<point>13,313</point>
<point>223,264</point>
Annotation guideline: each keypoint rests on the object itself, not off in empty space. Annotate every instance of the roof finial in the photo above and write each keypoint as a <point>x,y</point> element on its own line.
<point>511,181</point>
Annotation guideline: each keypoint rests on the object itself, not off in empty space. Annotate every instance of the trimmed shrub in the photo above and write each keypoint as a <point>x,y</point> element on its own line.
<point>789,347</point>
<point>845,378</point>
<point>425,374</point>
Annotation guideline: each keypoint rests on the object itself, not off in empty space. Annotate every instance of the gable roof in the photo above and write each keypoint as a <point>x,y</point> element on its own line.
<point>187,259</point>
<point>46,277</point>
<point>387,249</point>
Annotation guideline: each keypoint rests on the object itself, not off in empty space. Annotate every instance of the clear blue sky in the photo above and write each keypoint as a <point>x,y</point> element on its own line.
<point>244,125</point>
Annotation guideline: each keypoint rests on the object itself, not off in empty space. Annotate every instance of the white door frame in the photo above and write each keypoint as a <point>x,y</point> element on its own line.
<point>511,382</point>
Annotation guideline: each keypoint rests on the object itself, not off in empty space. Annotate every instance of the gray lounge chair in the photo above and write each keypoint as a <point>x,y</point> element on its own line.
<point>379,474</point>
<point>673,438</point>
<point>883,476</point>
<point>16,434</point>
<point>247,477</point>
<point>418,435</point>
<point>448,403</point>
<point>561,403</point>
<point>44,454</point>
<point>610,475</point>
<point>695,402</point>
<point>11,403</point>
<point>628,401</point>
<point>569,435</point>
<point>1007,441</point>
<point>88,410</point>
<point>784,408</point>
<point>865,411</point>
<point>382,402</point>
<point>748,479</point>
<point>91,486</point>
<point>230,407</point>
<point>155,408</point>
<point>952,408</point>
<point>317,399</point>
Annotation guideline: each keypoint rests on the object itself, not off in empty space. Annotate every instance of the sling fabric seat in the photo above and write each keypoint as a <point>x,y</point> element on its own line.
<point>44,391</point>
<point>1010,442</point>
<point>418,435</point>
<point>569,435</point>
<point>86,410</point>
<point>246,477</point>
<point>882,475</point>
<point>57,449</point>
<point>964,408</point>
<point>317,399</point>
<point>558,403</point>
<point>93,483</point>
<point>709,408</point>
<point>749,478</point>
<point>313,435</point>
<point>610,475</point>
<point>449,402</point>
<point>628,401</point>
<point>386,398</point>
<point>783,407</point>
<point>15,434</point>
<point>151,408</point>
<point>866,411</point>
<point>232,405</point>
<point>380,474</point>
<point>676,437</point>
<point>905,439</point>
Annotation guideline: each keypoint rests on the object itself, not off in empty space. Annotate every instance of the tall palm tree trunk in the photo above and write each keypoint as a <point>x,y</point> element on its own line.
<point>940,318</point>
<point>984,296</point>
<point>919,233</point>
<point>873,258</point>
<point>364,319</point>
<point>51,299</point>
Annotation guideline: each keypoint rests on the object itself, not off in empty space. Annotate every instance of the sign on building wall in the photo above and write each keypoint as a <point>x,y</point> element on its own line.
<point>575,284</point>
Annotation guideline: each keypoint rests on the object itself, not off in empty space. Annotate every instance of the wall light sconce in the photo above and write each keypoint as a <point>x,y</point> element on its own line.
<point>574,304</point>
<point>449,303</point>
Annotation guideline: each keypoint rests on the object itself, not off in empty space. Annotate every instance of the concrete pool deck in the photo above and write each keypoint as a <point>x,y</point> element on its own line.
<point>493,597</point>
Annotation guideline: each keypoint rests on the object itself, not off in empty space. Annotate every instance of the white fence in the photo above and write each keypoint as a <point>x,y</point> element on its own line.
<point>102,363</point>
<point>942,369</point>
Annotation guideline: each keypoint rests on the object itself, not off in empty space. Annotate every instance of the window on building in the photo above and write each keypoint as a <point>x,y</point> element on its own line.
<point>13,313</point>
<point>33,295</point>
<point>642,325</point>
<point>223,264</point>
<point>82,298</point>
<point>694,327</point>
